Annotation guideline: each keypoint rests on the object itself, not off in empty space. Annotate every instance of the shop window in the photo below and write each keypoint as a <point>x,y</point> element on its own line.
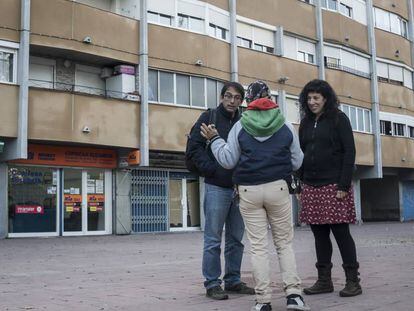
<point>32,199</point>
<point>385,127</point>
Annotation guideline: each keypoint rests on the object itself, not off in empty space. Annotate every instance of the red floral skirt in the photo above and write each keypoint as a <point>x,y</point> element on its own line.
<point>320,206</point>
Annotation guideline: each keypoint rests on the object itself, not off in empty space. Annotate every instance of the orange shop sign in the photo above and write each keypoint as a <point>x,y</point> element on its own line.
<point>70,156</point>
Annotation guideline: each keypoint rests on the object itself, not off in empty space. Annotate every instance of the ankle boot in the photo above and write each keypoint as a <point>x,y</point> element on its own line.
<point>352,286</point>
<point>324,283</point>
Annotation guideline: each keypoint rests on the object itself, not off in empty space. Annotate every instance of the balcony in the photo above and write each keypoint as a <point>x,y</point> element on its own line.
<point>56,115</point>
<point>402,152</point>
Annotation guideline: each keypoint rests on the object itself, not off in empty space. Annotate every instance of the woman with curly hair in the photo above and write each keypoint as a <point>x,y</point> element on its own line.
<point>327,200</point>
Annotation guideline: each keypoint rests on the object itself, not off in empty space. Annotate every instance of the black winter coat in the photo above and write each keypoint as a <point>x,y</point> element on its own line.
<point>203,158</point>
<point>329,151</point>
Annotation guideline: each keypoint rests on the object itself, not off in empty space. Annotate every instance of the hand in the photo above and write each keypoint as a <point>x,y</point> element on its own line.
<point>208,132</point>
<point>341,194</point>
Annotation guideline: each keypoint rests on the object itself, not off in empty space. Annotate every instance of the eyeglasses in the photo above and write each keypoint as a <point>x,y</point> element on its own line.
<point>229,96</point>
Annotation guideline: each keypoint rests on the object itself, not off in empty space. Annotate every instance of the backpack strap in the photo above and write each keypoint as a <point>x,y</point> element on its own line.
<point>212,116</point>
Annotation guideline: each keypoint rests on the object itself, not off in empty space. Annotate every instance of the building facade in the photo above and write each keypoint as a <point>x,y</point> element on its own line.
<point>96,99</point>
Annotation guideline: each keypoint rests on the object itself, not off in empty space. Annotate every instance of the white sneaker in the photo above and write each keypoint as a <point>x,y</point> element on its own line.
<point>261,307</point>
<point>296,302</point>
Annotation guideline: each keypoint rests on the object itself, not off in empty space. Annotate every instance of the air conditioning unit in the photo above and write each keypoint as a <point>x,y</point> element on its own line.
<point>120,86</point>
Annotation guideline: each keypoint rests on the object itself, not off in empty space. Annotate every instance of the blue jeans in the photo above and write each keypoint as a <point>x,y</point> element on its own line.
<point>219,209</point>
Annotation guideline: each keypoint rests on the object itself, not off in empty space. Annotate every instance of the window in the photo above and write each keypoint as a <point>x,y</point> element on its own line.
<point>258,38</point>
<point>345,9</point>
<point>411,131</point>
<point>42,72</point>
<point>360,118</point>
<point>399,129</point>
<point>246,43</point>
<point>166,87</point>
<point>330,4</point>
<point>332,62</point>
<point>190,23</point>
<point>8,61</point>
<point>394,74</point>
<point>88,80</point>
<point>346,60</point>
<point>218,32</point>
<point>385,127</point>
<point>262,48</point>
<point>154,17</point>
<point>305,57</point>
<point>292,110</point>
<point>184,90</point>
<point>390,22</point>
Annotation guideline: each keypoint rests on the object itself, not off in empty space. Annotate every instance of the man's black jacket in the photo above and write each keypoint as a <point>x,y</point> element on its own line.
<point>202,157</point>
<point>329,151</point>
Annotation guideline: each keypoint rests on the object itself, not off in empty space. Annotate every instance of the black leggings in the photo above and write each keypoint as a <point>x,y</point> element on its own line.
<point>343,238</point>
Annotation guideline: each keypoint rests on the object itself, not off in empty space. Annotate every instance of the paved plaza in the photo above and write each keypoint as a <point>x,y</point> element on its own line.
<point>162,272</point>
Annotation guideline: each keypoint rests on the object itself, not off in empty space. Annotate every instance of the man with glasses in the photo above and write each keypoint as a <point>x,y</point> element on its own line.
<point>219,207</point>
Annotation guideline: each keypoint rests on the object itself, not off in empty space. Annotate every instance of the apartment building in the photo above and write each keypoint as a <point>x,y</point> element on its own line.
<point>96,99</point>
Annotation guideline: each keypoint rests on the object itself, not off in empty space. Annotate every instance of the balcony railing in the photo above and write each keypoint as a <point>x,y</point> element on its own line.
<point>82,89</point>
<point>347,69</point>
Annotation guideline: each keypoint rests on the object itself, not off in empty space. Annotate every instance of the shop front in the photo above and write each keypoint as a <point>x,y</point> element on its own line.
<point>61,191</point>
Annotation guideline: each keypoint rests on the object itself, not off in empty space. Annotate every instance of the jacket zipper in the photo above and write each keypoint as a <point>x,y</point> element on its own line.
<point>313,143</point>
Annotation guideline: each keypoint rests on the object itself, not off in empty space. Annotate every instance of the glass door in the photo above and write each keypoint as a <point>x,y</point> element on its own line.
<point>184,202</point>
<point>86,202</point>
<point>73,201</point>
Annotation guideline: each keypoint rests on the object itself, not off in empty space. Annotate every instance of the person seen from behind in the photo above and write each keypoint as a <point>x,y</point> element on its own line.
<point>327,200</point>
<point>263,150</point>
<point>220,210</point>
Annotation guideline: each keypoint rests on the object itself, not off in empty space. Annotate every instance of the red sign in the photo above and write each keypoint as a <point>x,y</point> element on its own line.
<point>70,156</point>
<point>29,209</point>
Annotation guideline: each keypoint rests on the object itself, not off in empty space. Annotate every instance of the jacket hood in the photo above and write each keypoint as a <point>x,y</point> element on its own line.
<point>263,119</point>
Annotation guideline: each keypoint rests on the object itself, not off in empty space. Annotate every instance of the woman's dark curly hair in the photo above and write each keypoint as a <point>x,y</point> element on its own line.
<point>322,87</point>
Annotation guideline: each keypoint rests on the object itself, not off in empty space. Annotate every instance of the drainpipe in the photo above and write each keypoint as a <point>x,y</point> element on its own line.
<point>319,44</point>
<point>377,172</point>
<point>233,41</point>
<point>143,83</point>
<point>17,148</point>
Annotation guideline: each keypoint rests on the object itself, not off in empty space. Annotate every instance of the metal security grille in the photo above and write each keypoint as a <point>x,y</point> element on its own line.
<point>149,201</point>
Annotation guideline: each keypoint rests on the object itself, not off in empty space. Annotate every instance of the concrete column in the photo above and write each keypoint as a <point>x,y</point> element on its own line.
<point>123,219</point>
<point>319,45</point>
<point>281,100</point>
<point>143,83</point>
<point>17,148</point>
<point>377,171</point>
<point>3,201</point>
<point>357,198</point>
<point>279,46</point>
<point>411,29</point>
<point>234,59</point>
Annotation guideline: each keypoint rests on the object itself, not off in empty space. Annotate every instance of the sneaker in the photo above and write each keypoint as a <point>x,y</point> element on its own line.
<point>240,288</point>
<point>296,302</point>
<point>216,293</point>
<point>261,307</point>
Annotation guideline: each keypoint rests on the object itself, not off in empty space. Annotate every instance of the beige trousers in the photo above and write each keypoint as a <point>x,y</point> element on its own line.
<point>261,206</point>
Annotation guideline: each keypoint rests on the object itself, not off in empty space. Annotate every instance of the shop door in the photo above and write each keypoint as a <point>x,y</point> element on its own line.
<point>86,202</point>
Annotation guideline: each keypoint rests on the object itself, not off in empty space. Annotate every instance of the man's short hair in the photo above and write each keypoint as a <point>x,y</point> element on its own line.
<point>237,86</point>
